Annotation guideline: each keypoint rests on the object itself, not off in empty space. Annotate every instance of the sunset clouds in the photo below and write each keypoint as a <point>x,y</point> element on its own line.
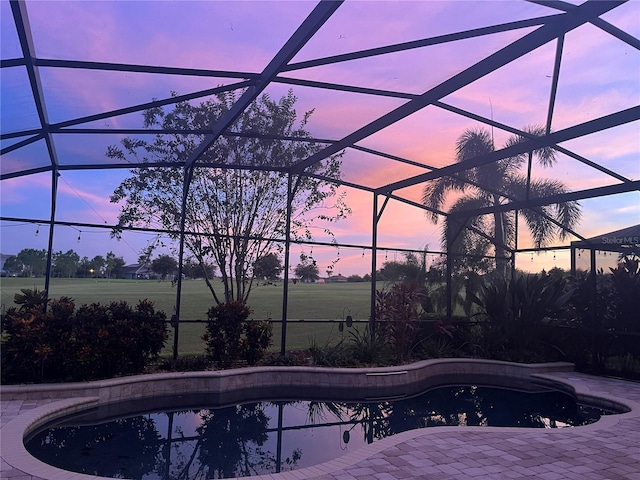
<point>599,75</point>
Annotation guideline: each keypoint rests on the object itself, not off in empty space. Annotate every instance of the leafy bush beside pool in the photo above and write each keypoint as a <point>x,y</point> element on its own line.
<point>92,342</point>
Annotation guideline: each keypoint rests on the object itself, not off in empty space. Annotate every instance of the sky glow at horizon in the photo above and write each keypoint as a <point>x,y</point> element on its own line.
<point>599,75</point>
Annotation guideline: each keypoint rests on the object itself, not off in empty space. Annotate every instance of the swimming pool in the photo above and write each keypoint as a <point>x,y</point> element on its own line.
<point>187,437</point>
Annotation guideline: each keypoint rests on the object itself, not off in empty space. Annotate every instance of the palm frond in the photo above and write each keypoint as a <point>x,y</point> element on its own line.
<point>472,143</point>
<point>567,214</point>
<point>435,191</point>
<point>545,156</point>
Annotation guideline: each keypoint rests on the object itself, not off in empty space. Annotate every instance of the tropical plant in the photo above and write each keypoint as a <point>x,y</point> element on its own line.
<point>490,185</point>
<point>515,314</point>
<point>30,299</point>
<point>330,354</point>
<point>366,348</point>
<point>625,280</point>
<point>524,299</point>
<point>398,311</point>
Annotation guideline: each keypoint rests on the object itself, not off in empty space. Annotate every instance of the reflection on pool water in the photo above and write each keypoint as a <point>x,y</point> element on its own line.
<point>272,436</point>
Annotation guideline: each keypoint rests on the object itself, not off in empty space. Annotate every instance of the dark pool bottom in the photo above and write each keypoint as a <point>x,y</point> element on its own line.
<point>273,436</point>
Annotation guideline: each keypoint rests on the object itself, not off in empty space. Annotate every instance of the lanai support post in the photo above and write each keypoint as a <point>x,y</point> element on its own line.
<point>374,267</point>
<point>175,318</point>
<point>54,197</point>
<point>374,249</point>
<point>287,249</point>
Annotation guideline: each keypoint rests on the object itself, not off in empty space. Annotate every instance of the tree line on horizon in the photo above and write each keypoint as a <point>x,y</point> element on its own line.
<point>31,262</point>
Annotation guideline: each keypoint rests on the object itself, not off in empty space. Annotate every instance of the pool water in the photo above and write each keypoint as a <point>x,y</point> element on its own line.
<point>273,436</point>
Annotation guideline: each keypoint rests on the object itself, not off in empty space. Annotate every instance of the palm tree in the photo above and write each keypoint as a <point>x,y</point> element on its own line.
<point>490,185</point>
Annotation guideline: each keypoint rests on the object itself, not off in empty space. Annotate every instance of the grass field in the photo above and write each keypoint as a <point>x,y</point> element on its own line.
<point>307,302</point>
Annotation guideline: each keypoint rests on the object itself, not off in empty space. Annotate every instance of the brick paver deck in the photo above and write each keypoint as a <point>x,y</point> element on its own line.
<point>607,450</point>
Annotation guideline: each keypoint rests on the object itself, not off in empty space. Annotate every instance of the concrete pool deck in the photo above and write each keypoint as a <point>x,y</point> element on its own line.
<point>608,449</point>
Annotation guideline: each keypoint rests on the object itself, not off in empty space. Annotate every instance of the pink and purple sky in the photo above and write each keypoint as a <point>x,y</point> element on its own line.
<point>599,74</point>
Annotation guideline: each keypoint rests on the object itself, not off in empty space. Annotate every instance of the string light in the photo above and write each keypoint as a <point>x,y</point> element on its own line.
<point>79,233</point>
<point>38,231</point>
<point>363,252</point>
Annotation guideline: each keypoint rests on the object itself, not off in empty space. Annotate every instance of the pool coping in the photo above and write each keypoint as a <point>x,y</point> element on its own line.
<point>74,397</point>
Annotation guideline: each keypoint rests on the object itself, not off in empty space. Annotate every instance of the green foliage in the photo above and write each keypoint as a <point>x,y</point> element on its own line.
<point>65,264</point>
<point>330,354</point>
<point>96,341</point>
<point>164,266</point>
<point>307,271</point>
<point>436,339</point>
<point>267,267</point>
<point>607,307</point>
<point>527,299</point>
<point>223,331</point>
<point>114,265</point>
<point>225,343</point>
<point>368,349</point>
<point>34,262</point>
<point>30,299</point>
<point>257,338</point>
<point>13,267</point>
<point>117,339</point>
<point>516,315</point>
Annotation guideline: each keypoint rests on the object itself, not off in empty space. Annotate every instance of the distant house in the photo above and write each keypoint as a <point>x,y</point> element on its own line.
<point>336,279</point>
<point>137,271</point>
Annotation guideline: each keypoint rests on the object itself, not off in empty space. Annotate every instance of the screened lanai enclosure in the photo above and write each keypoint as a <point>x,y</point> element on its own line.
<point>472,136</point>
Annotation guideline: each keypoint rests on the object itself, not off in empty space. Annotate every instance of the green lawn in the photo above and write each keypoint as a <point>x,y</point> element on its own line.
<point>306,302</point>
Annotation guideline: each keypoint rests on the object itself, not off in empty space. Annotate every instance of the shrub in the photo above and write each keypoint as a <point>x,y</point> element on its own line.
<point>223,331</point>
<point>256,340</point>
<point>116,339</point>
<point>96,341</point>
<point>35,343</point>
<point>226,344</point>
